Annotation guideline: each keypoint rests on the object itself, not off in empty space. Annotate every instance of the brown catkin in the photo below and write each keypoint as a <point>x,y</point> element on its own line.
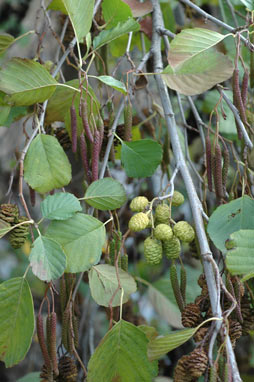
<point>32,194</point>
<point>95,155</point>
<point>209,162</point>
<point>74,132</point>
<point>236,93</point>
<point>42,342</point>
<point>84,158</point>
<point>244,90</point>
<point>85,123</point>
<point>175,286</point>
<point>48,332</point>
<point>53,354</point>
<point>237,97</point>
<point>66,330</point>
<point>128,122</point>
<point>226,161</point>
<point>218,173</point>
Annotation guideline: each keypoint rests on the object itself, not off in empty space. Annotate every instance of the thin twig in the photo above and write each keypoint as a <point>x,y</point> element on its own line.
<point>239,122</point>
<point>216,21</point>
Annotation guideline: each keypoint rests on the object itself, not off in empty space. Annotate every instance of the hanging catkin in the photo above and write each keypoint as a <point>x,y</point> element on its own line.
<point>85,123</point>
<point>209,163</point>
<point>218,172</point>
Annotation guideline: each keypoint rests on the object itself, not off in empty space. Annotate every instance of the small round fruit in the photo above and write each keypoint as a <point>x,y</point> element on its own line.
<point>138,222</point>
<point>177,199</point>
<point>184,231</point>
<point>162,214</point>
<point>152,250</point>
<point>139,203</point>
<point>172,248</point>
<point>163,232</point>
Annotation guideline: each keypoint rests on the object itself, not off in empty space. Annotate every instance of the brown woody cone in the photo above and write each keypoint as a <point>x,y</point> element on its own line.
<point>181,373</point>
<point>9,213</point>
<point>200,334</point>
<point>67,370</point>
<point>197,362</point>
<point>235,330</point>
<point>191,316</point>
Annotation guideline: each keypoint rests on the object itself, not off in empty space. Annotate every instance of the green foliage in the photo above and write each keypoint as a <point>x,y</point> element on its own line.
<point>115,11</point>
<point>162,345</point>
<point>5,41</point>
<point>82,238</point>
<point>105,194</point>
<point>26,82</point>
<point>115,84</point>
<point>122,355</point>
<point>16,320</point>
<point>46,165</point>
<point>119,30</point>
<point>47,259</point>
<point>60,206</point>
<point>240,259</point>
<point>228,218</point>
<point>103,282</point>
<point>141,158</point>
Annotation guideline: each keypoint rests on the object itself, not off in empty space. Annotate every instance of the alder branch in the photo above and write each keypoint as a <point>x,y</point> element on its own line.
<point>218,22</point>
<point>195,203</point>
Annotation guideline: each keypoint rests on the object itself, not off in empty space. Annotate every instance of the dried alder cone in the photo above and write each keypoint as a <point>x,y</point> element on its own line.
<point>191,366</point>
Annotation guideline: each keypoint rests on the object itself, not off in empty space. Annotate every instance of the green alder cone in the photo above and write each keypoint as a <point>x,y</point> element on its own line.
<point>177,199</point>
<point>163,232</point>
<point>162,214</point>
<point>138,222</point>
<point>172,248</point>
<point>152,251</point>
<point>139,203</point>
<point>184,231</point>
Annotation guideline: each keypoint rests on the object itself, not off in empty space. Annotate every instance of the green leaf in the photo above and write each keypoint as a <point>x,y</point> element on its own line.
<point>121,356</point>
<point>162,345</point>
<point>165,307</point>
<point>16,320</point>
<point>4,228</point>
<point>115,11</point>
<point>60,206</point>
<point>105,194</point>
<point>240,259</point>
<point>58,5</point>
<point>46,165</point>
<point>191,42</point>
<point>47,259</point>
<point>229,218</point>
<point>110,81</point>
<point>80,14</point>
<point>199,73</point>
<point>122,28</point>
<point>31,377</point>
<point>194,66</point>
<point>82,238</point>
<point>103,283</point>
<point>141,158</point>
<point>5,41</point>
<point>26,81</point>
<point>249,4</point>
